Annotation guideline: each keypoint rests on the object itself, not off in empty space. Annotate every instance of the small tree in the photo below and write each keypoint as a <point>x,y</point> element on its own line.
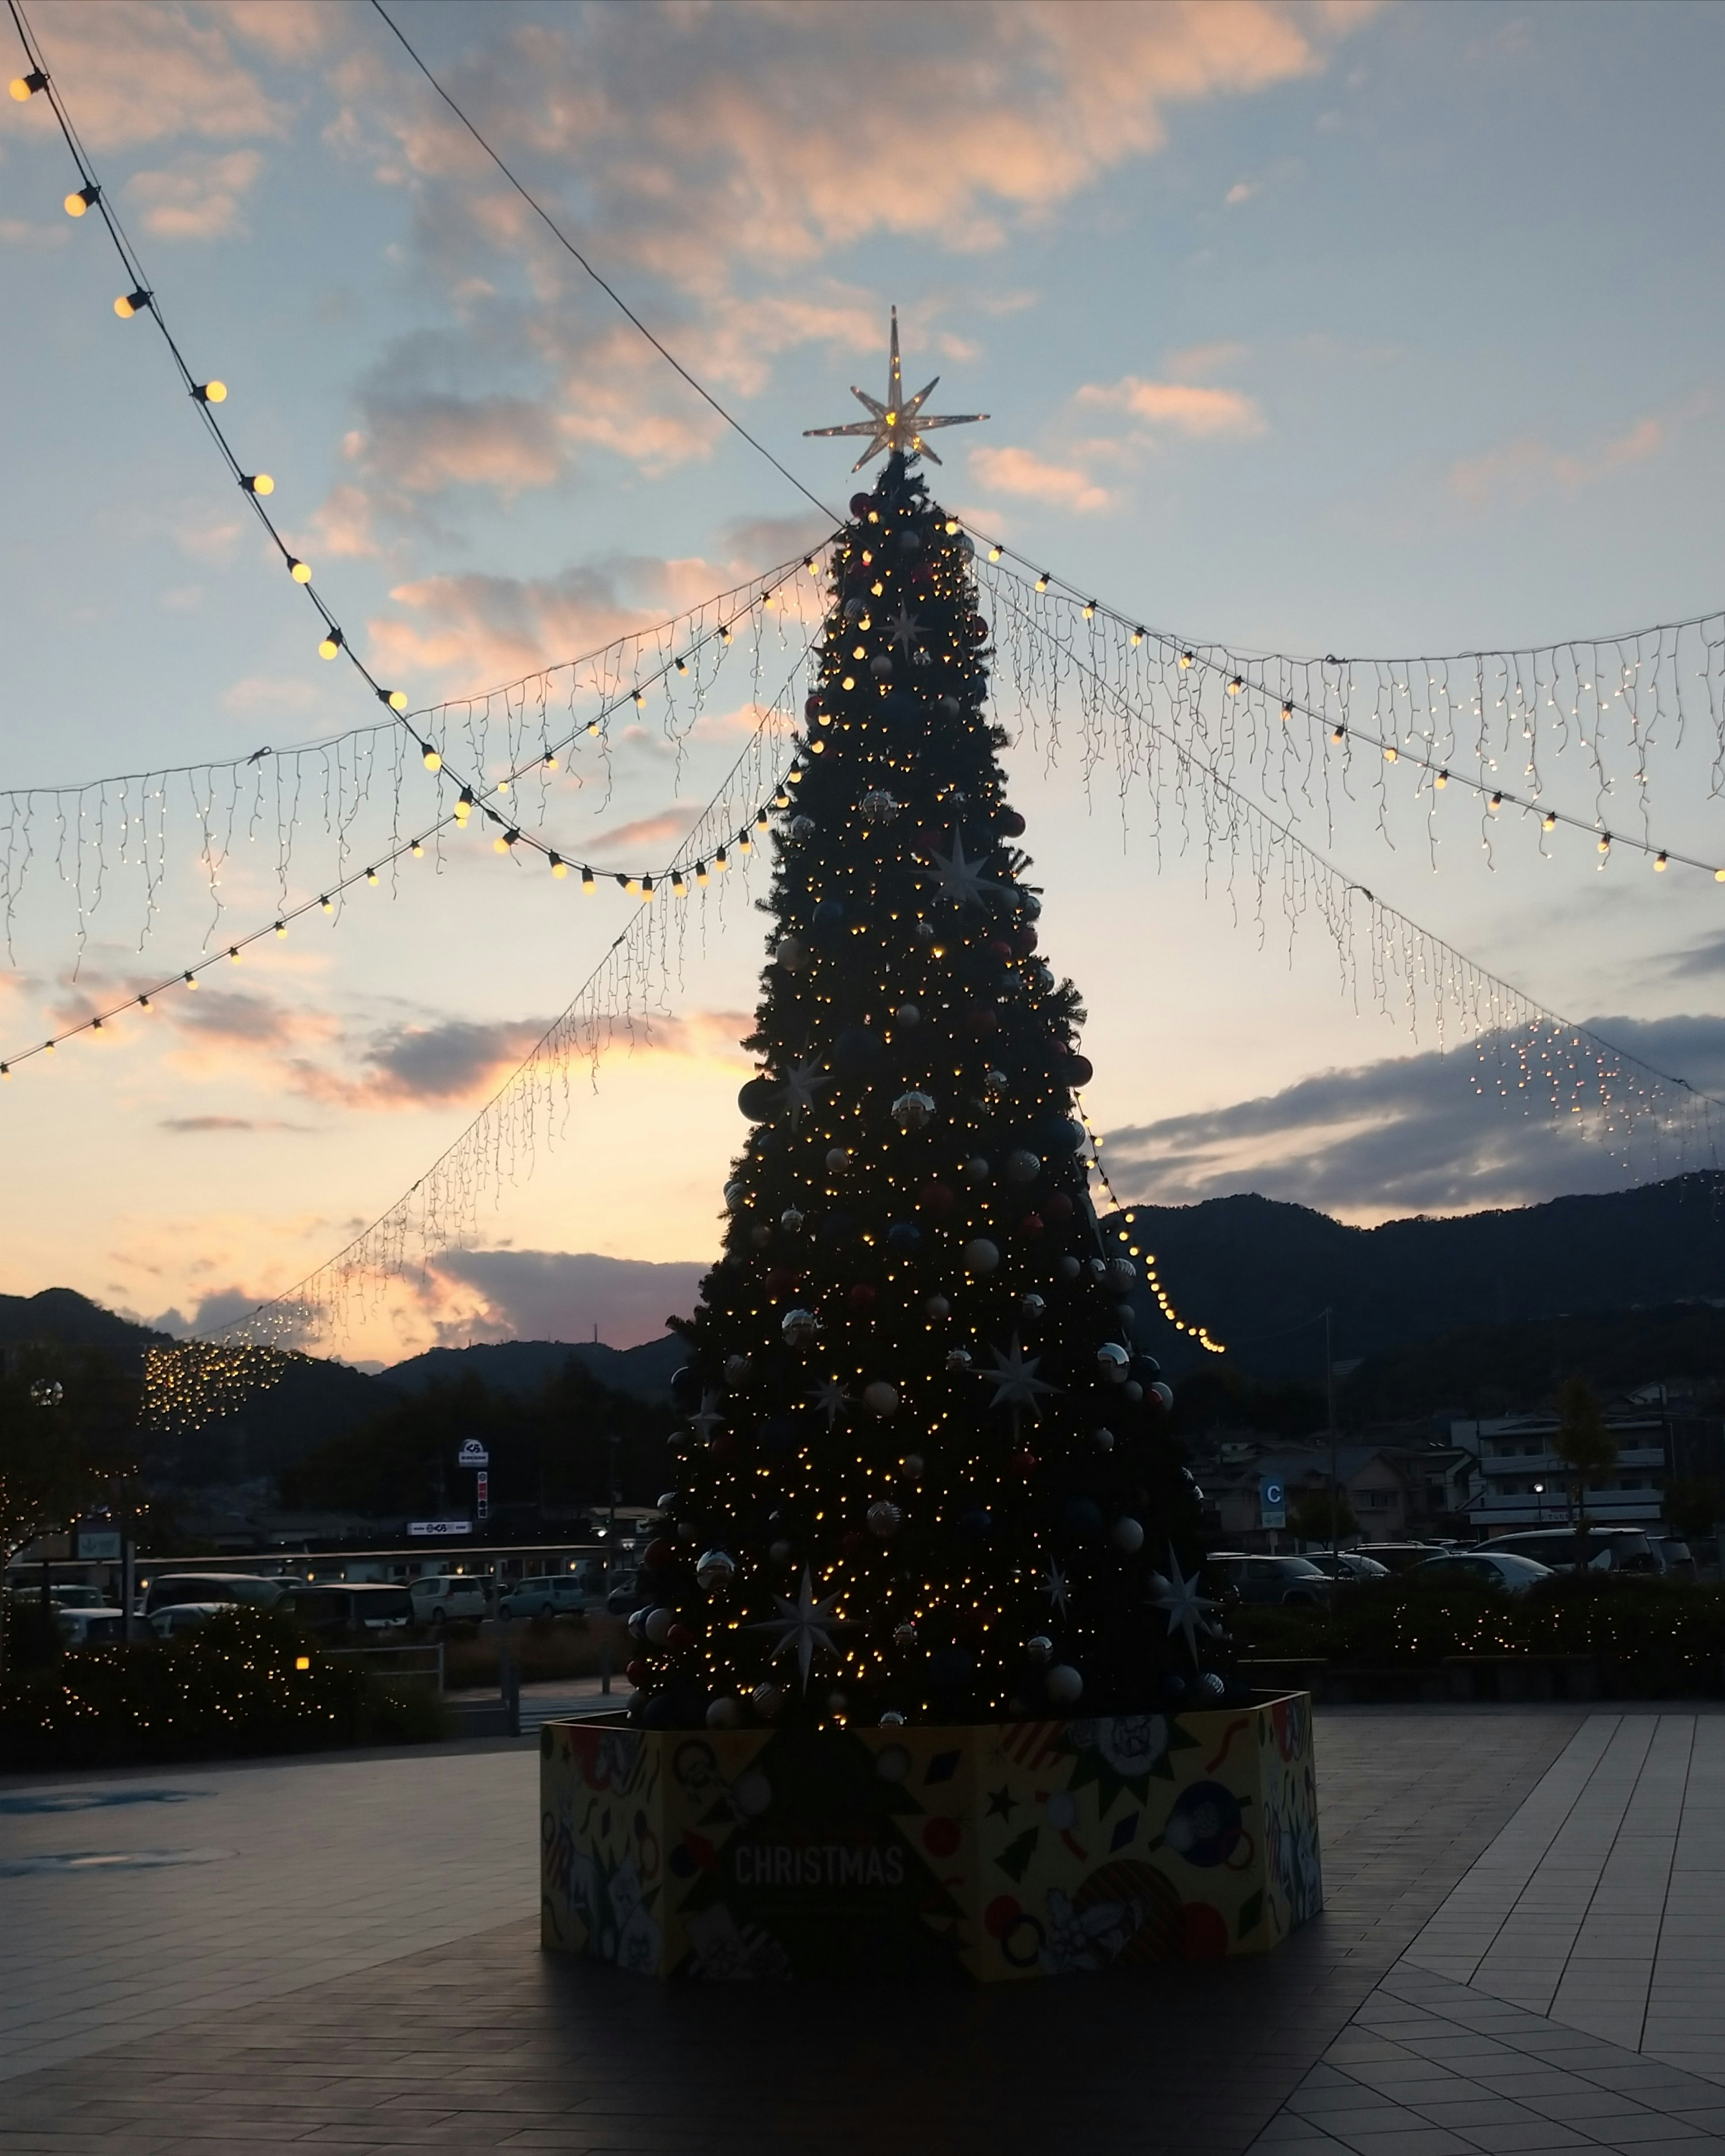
<point>1586,1448</point>
<point>1323,1516</point>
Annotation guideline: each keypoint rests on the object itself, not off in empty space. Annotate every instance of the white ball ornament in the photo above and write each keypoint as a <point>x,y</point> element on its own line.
<point>802,827</point>
<point>913,1111</point>
<point>659,1624</point>
<point>724,1714</point>
<point>767,1699</point>
<point>1127,1535</point>
<point>1113,1362</point>
<point>1103,1438</point>
<point>791,952</point>
<point>1022,1166</point>
<point>1068,1268</point>
<point>881,667</point>
<point>737,1369</point>
<point>877,806</point>
<point>737,1197</point>
<point>1122,1273</point>
<point>907,1015</point>
<point>976,1171</point>
<point>937,1307</point>
<point>838,1159</point>
<point>799,1328</point>
<point>1041,1649</point>
<point>880,1399</point>
<point>790,1220</point>
<point>716,1568</point>
<point>981,1257</point>
<point>885,1519</point>
<point>1064,1685</point>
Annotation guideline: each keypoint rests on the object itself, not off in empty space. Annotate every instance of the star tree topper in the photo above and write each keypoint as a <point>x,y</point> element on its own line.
<point>898,425</point>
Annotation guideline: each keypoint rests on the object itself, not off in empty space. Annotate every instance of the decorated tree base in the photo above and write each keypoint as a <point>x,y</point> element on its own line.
<point>990,1852</point>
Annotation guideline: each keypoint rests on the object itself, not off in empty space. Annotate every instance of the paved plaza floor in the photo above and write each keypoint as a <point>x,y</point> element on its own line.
<point>1519,1951</point>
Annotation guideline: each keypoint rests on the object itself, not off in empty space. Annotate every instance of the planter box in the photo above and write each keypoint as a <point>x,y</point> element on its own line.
<point>1017,1850</point>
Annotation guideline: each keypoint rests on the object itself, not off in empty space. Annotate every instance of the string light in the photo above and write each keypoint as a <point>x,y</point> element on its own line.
<point>258,483</point>
<point>131,303</point>
<point>298,570</point>
<point>1153,1278</point>
<point>430,758</point>
<point>216,393</point>
<point>329,644</point>
<point>85,198</point>
<point>25,87</point>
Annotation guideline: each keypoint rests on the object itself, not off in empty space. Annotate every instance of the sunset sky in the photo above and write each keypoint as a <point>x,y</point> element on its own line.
<point>1308,328</point>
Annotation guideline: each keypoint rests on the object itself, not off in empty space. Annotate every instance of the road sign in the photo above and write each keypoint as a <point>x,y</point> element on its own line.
<point>482,1505</point>
<point>1272,1502</point>
<point>99,1545</point>
<point>472,1453</point>
<point>440,1527</point>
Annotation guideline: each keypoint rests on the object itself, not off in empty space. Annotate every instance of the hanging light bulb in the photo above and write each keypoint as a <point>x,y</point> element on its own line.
<point>233,953</point>
<point>1604,842</point>
<point>641,701</point>
<point>762,820</point>
<point>1090,610</point>
<point>327,904</point>
<point>682,665</point>
<point>1235,685</point>
<point>994,553</point>
<point>210,393</point>
<point>724,632</point>
<point>1495,804</point>
<point>647,889</point>
<point>417,850</point>
<point>464,807</point>
<point>1548,822</point>
<point>144,1003</point>
<point>371,875</point>
<point>632,885</point>
<point>588,885</point>
<point>300,571</point>
<point>1660,863</point>
<point>679,888</point>
<point>25,87</point>
<point>429,757</point>
<point>549,761</point>
<point>720,862</point>
<point>330,644</point>
<point>1137,638</point>
<point>504,840</point>
<point>745,844</point>
<point>1338,733</point>
<point>1442,779</point>
<point>85,198</point>
<point>397,699</point>
<point>1185,661</point>
<point>258,483</point>
<point>131,303</point>
<point>1390,751</point>
<point>190,979</point>
<point>559,866</point>
<point>700,873</point>
<point>1287,712</point>
<point>1042,582</point>
<point>593,726</point>
<point>281,928</point>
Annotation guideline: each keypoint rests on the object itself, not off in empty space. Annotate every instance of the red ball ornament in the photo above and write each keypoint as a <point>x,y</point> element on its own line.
<point>1012,826</point>
<point>983,1019</point>
<point>814,707</point>
<point>781,1280</point>
<point>1001,949</point>
<point>726,1446</point>
<point>853,1540</point>
<point>1079,1071</point>
<point>1031,1225</point>
<point>658,1553</point>
<point>970,1628</point>
<point>862,1296</point>
<point>1024,1459</point>
<point>861,504</point>
<point>977,629</point>
<point>1027,939</point>
<point>638,1672</point>
<point>936,1200</point>
<point>680,1637</point>
<point>1057,1206</point>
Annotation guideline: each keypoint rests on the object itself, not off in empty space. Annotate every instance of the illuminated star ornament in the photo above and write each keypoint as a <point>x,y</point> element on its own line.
<point>898,425</point>
<point>1015,1382</point>
<point>962,880</point>
<point>805,1624</point>
<point>1184,1604</point>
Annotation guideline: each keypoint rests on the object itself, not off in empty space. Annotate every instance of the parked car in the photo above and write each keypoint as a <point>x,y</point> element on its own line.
<point>364,1606</point>
<point>209,1587</point>
<point>174,1617</point>
<point>1679,1558</point>
<point>438,1596</point>
<point>1261,1579</point>
<point>623,1595</point>
<point>91,1627</point>
<point>1400,1556</point>
<point>548,1594</point>
<point>1609,1550</point>
<point>1496,1568</point>
<point>1346,1564</point>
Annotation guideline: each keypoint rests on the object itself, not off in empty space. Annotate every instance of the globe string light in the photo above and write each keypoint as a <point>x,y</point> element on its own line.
<point>94,834</point>
<point>1523,1048</point>
<point>255,485</point>
<point>1603,698</point>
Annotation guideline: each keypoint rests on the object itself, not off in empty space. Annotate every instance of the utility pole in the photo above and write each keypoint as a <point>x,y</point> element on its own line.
<point>1335,1475</point>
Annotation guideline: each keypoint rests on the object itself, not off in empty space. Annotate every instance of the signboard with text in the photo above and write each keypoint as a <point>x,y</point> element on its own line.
<point>1272,1502</point>
<point>482,1503</point>
<point>472,1453</point>
<point>440,1527</point>
<point>99,1545</point>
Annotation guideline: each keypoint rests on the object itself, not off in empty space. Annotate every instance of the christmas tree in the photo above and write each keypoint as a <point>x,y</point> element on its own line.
<point>926,1475</point>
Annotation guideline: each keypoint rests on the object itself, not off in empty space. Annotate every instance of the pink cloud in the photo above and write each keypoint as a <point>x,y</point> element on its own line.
<point>1529,462</point>
<point>1186,408</point>
<point>147,70</point>
<point>1022,472</point>
<point>198,196</point>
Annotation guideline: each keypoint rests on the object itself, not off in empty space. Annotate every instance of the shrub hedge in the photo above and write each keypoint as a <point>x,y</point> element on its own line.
<point>1652,1636</point>
<point>229,1688</point>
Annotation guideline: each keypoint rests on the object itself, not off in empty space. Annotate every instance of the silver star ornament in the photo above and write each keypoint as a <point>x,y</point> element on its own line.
<point>805,1624</point>
<point>832,1399</point>
<point>1014,1379</point>
<point>708,1419</point>
<point>898,425</point>
<point>962,880</point>
<point>1184,1604</point>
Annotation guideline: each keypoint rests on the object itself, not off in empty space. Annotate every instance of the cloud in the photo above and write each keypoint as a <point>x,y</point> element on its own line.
<point>640,843</point>
<point>198,197</point>
<point>1703,961</point>
<point>139,71</point>
<point>1420,1133</point>
<point>562,1295</point>
<point>419,1064</point>
<point>1022,472</point>
<point>1242,191</point>
<point>257,692</point>
<point>189,1126</point>
<point>423,442</point>
<point>342,526</point>
<point>1183,407</point>
<point>1530,464</point>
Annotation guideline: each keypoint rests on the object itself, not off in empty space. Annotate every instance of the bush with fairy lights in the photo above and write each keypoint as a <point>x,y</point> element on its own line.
<point>926,1475</point>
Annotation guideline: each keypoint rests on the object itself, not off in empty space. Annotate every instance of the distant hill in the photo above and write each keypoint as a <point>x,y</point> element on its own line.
<point>61,1313</point>
<point>518,1367</point>
<point>1252,1268</point>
